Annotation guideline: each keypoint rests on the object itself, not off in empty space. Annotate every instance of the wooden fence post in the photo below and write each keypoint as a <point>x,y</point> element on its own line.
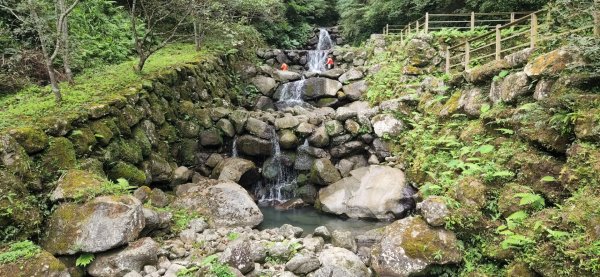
<point>417,26</point>
<point>387,29</point>
<point>408,30</point>
<point>447,60</point>
<point>512,17</point>
<point>534,30</point>
<point>498,43</point>
<point>472,21</point>
<point>426,23</point>
<point>467,54</point>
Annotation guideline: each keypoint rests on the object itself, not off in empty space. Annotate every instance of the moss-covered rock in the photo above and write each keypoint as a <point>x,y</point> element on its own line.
<point>92,165</point>
<point>168,133</point>
<point>323,172</point>
<point>128,172</point>
<point>102,132</point>
<point>76,184</point>
<point>33,263</point>
<point>587,125</point>
<point>20,215</point>
<point>141,139</point>
<point>471,192</point>
<point>13,156</point>
<point>533,167</point>
<point>83,140</point>
<point>582,167</point>
<point>60,155</point>
<point>33,140</point>
<point>509,203</point>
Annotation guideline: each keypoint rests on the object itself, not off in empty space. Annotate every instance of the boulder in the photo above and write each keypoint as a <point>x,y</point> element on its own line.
<point>258,128</point>
<point>253,146</point>
<point>286,76</point>
<point>354,91</point>
<point>370,192</point>
<point>122,261</point>
<point>333,73</point>
<point>265,85</point>
<point>40,264</point>
<point>510,88</point>
<point>434,210</point>
<point>238,255</point>
<point>323,172</point>
<point>344,239</point>
<point>305,129</point>
<point>550,64</point>
<point>319,138</point>
<point>387,125</point>
<point>226,127</point>
<point>303,264</point>
<point>264,103</point>
<point>334,127</point>
<point>76,184</point>
<point>225,204</point>
<point>409,247</point>
<point>471,101</point>
<point>237,170</point>
<point>315,88</point>
<point>352,75</point>
<point>33,140</point>
<point>74,228</point>
<point>347,149</point>
<point>239,118</point>
<point>157,169</point>
<point>286,122</point>
<point>287,139</point>
<point>339,262</point>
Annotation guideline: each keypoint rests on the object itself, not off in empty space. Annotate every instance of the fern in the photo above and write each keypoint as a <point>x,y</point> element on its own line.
<point>515,241</point>
<point>535,200</point>
<point>84,259</point>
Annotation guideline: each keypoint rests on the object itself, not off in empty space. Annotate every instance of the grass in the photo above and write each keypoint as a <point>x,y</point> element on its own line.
<point>21,250</point>
<point>94,86</point>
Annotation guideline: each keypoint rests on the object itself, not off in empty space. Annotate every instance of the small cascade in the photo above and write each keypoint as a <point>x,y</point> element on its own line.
<point>317,58</point>
<point>280,187</point>
<point>291,94</point>
<point>234,151</point>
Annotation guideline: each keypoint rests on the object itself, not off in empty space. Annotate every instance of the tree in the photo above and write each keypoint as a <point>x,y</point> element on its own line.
<point>36,14</point>
<point>162,20</point>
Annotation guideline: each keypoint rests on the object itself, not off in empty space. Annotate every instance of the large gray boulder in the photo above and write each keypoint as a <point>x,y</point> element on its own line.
<point>286,76</point>
<point>265,85</point>
<point>235,170</point>
<point>258,128</point>
<point>315,88</point>
<point>225,204</point>
<point>352,75</point>
<point>333,73</point>
<point>387,124</point>
<point>74,228</point>
<point>122,261</point>
<point>303,264</point>
<point>434,210</point>
<point>340,262</point>
<point>253,146</point>
<point>510,88</point>
<point>323,172</point>
<point>471,101</point>
<point>410,246</point>
<point>238,255</point>
<point>370,192</point>
<point>354,91</point>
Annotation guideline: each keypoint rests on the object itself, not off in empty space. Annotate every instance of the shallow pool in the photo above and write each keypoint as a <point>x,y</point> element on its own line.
<point>309,218</point>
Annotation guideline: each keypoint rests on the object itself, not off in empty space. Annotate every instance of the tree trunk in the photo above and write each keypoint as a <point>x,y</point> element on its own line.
<point>142,62</point>
<point>197,34</point>
<point>47,58</point>
<point>64,36</point>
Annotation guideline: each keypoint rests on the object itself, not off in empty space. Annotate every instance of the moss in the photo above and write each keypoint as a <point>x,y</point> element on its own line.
<point>63,227</point>
<point>83,140</point>
<point>130,151</point>
<point>168,133</point>
<point>141,139</point>
<point>78,184</point>
<point>451,106</point>
<point>202,116</point>
<point>60,155</point>
<point>421,242</point>
<point>20,215</point>
<point>102,132</point>
<point>32,139</point>
<point>187,151</point>
<point>128,172</point>
<point>17,161</point>
<point>582,167</point>
<point>42,264</point>
<point>92,165</point>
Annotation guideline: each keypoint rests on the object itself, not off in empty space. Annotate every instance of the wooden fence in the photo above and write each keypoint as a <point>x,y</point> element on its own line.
<point>504,40</point>
<point>461,21</point>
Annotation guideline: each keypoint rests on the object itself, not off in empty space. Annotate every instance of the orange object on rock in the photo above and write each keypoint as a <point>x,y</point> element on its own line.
<point>284,67</point>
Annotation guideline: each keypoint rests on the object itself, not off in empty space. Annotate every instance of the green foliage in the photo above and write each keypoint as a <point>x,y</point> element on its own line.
<point>121,187</point>
<point>181,219</point>
<point>534,200</point>
<point>233,236</point>
<point>19,251</point>
<point>99,34</point>
<point>84,259</point>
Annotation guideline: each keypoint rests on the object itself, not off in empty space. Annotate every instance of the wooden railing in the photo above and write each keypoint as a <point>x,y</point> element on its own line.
<point>503,40</point>
<point>461,21</point>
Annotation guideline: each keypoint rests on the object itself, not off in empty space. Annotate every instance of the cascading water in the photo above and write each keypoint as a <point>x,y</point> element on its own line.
<point>280,185</point>
<point>234,151</point>
<point>317,58</point>
<point>291,93</point>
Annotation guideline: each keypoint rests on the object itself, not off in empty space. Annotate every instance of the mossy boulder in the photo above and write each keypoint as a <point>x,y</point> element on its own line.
<point>471,192</point>
<point>168,133</point>
<point>211,138</point>
<point>60,155</point>
<point>129,172</point>
<point>188,148</point>
<point>83,140</point>
<point>13,156</point>
<point>102,132</point>
<point>551,63</point>
<point>533,167</point>
<point>508,202</point>
<point>157,169</point>
<point>20,215</point>
<point>253,146</point>
<point>93,166</point>
<point>76,184</point>
<point>82,228</point>
<point>410,247</point>
<point>33,140</point>
<point>582,167</point>
<point>587,126</point>
<point>141,139</point>
<point>40,264</point>
<point>323,172</point>
<point>188,129</point>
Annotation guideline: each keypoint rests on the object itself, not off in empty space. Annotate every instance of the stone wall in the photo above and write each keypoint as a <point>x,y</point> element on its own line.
<point>344,57</point>
<point>334,33</point>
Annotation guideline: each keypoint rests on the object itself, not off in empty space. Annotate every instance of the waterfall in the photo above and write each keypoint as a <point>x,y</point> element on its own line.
<point>291,93</point>
<point>317,58</point>
<point>281,187</point>
<point>234,151</point>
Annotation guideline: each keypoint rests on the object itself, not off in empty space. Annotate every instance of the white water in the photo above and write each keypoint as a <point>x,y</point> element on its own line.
<point>317,58</point>
<point>291,93</point>
<point>234,151</point>
<point>280,189</point>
